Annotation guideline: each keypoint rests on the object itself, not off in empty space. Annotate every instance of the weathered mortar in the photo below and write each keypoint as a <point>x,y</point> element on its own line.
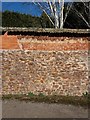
<point>48,72</point>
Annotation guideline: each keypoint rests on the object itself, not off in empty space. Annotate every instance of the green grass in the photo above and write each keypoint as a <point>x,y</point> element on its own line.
<point>74,100</point>
<point>30,94</point>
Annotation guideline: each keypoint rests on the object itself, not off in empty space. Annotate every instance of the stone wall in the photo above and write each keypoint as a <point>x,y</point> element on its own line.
<point>43,64</point>
<point>48,72</point>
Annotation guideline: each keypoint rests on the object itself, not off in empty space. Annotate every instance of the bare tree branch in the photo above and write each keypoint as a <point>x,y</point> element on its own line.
<point>81,16</point>
<point>51,8</point>
<point>69,8</point>
<point>45,13</point>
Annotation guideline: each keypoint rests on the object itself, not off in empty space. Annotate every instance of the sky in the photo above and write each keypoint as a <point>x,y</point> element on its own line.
<point>21,8</point>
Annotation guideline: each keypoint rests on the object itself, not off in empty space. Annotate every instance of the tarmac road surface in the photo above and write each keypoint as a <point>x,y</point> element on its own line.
<point>22,109</point>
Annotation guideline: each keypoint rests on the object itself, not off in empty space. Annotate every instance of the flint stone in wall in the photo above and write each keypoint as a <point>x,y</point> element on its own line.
<point>47,72</point>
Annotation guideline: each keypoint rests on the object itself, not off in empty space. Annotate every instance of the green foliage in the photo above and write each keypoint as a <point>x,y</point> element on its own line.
<point>30,94</point>
<point>14,19</point>
<point>41,94</point>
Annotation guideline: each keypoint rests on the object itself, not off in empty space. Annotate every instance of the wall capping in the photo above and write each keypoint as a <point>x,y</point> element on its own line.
<point>44,30</point>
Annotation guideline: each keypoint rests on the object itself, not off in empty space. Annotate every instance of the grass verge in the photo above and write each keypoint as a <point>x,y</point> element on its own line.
<point>74,100</point>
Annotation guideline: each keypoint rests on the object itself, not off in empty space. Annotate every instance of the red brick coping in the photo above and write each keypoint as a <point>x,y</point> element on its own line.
<point>43,43</point>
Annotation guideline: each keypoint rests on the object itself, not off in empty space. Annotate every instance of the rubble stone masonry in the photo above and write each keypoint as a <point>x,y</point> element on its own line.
<point>51,65</point>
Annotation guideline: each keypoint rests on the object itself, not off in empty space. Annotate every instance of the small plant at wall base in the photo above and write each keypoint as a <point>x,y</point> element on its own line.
<point>86,94</point>
<point>30,94</point>
<point>41,95</point>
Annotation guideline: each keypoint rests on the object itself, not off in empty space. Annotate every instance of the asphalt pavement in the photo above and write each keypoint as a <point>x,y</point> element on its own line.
<point>22,109</point>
